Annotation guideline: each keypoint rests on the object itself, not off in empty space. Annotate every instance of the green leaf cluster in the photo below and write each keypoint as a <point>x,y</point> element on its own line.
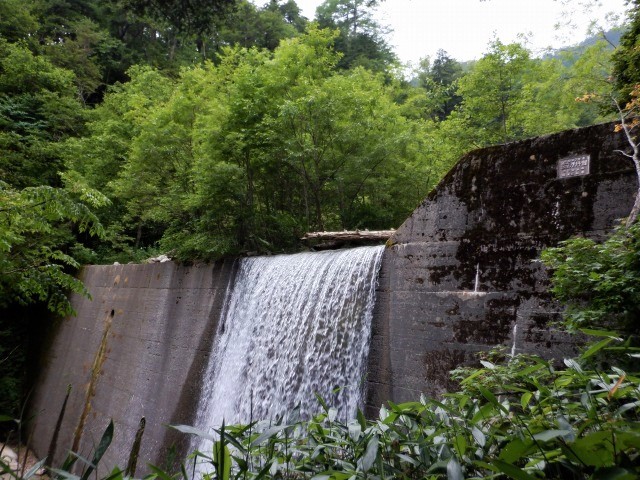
<point>599,282</point>
<point>627,58</point>
<point>540,422</point>
<point>34,254</point>
<point>39,256</point>
<point>361,39</point>
<point>38,108</point>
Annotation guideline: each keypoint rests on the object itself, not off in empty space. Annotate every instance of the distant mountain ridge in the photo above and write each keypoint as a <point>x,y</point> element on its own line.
<point>570,53</point>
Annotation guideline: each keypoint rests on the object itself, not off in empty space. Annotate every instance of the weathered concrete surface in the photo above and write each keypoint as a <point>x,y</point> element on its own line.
<point>490,216</point>
<point>137,349</point>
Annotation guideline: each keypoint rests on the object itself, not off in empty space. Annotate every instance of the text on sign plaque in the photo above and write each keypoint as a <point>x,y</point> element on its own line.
<point>574,166</point>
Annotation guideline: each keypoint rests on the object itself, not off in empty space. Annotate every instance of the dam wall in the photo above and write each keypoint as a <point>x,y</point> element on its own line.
<point>136,349</point>
<point>458,277</point>
<point>462,275</point>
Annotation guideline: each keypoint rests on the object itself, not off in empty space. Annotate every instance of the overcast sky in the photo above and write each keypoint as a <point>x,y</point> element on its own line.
<point>464,27</point>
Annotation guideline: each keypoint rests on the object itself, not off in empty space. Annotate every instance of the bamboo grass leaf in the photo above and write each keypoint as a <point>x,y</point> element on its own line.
<point>194,431</point>
<point>161,474</point>
<point>596,347</point>
<point>549,435</point>
<point>32,471</point>
<point>492,399</point>
<point>454,470</point>
<point>268,433</point>
<point>64,474</point>
<point>369,457</point>
<point>512,471</point>
<point>104,443</point>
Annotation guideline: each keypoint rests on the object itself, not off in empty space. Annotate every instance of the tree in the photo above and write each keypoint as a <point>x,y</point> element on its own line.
<point>361,39</point>
<point>627,78</point>
<point>292,13</point>
<point>588,72</point>
<point>354,16</point>
<point>440,82</point>
<point>627,57</point>
<point>629,122</point>
<point>491,91</point>
<point>38,257</point>
<point>507,95</point>
<point>344,138</point>
<point>249,26</point>
<point>186,16</point>
<point>17,20</point>
<point>38,108</point>
<point>102,155</point>
<point>33,237</point>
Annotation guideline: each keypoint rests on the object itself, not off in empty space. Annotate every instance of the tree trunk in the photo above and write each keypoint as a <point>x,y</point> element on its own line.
<point>635,156</point>
<point>353,235</point>
<point>633,215</point>
<point>138,236</point>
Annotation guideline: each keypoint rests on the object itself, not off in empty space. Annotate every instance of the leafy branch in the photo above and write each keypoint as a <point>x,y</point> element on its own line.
<point>33,238</point>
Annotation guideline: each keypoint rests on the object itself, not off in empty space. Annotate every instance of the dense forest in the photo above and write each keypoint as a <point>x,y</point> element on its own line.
<point>202,129</point>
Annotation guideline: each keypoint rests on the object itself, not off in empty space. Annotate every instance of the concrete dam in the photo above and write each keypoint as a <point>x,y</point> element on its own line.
<point>459,276</point>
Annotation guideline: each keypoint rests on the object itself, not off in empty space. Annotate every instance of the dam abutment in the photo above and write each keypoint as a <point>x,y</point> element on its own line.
<point>462,274</point>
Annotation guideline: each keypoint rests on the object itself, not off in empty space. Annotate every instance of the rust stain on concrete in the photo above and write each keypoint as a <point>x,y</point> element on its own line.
<point>96,371</point>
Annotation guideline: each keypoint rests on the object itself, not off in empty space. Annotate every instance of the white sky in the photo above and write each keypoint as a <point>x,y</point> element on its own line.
<point>463,28</point>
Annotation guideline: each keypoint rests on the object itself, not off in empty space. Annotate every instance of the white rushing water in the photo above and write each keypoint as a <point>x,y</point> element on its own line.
<point>293,326</point>
<point>477,282</point>
<point>515,335</point>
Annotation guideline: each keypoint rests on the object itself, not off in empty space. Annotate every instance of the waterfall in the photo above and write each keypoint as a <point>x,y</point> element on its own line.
<point>477,282</point>
<point>515,334</point>
<point>293,326</point>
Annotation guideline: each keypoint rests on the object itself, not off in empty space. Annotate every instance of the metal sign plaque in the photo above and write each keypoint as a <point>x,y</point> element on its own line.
<point>574,166</point>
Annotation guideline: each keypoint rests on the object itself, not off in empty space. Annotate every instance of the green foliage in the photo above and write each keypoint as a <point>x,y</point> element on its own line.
<point>248,26</point>
<point>440,84</point>
<point>251,153</point>
<point>589,74</point>
<point>599,282</point>
<point>33,237</point>
<point>504,97</point>
<point>508,95</point>
<point>537,422</point>
<point>12,367</point>
<point>17,20</point>
<point>193,16</point>
<point>361,38</point>
<point>627,57</point>
<point>491,91</point>
<point>38,108</point>
<point>38,257</point>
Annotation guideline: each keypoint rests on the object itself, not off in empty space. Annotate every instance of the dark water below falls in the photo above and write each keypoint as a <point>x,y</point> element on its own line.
<point>294,325</point>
